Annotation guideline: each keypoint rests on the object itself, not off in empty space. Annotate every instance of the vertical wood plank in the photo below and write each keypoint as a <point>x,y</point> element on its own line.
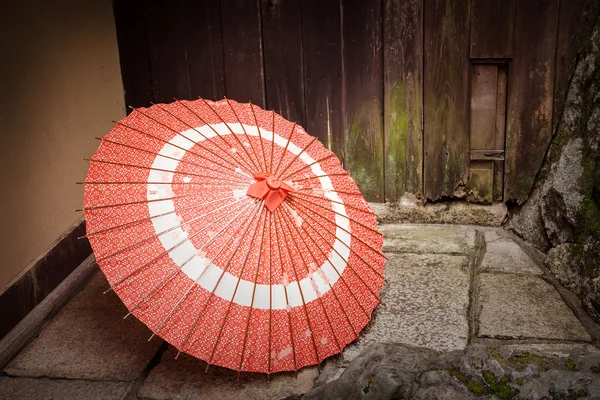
<point>575,24</point>
<point>168,60</point>
<point>204,48</point>
<point>500,130</point>
<point>134,53</point>
<point>363,94</point>
<point>484,87</point>
<point>530,95</point>
<point>242,44</point>
<point>284,71</point>
<point>492,24</point>
<point>403,97</point>
<point>322,43</point>
<point>446,99</point>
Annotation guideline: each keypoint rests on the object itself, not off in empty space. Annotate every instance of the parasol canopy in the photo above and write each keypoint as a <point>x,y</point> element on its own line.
<point>233,234</point>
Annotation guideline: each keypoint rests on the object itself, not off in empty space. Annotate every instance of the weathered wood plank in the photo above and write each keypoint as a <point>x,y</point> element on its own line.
<point>168,61</point>
<point>322,42</point>
<point>204,48</point>
<point>403,97</point>
<point>284,69</point>
<point>480,182</point>
<point>362,88</point>
<point>446,100</point>
<point>530,95</point>
<point>500,131</point>
<point>242,44</point>
<point>486,155</point>
<point>134,53</point>
<point>484,87</point>
<point>492,28</point>
<point>575,24</point>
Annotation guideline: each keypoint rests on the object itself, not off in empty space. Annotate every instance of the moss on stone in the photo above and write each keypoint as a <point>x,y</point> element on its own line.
<point>595,369</point>
<point>367,388</point>
<point>571,366</point>
<point>519,361</point>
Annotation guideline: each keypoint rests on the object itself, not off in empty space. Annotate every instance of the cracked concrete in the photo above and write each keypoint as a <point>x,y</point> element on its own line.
<point>446,286</point>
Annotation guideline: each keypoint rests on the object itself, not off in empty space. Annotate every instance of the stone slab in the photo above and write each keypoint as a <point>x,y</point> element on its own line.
<point>50,389</point>
<point>184,378</point>
<point>437,239</point>
<point>426,300</point>
<point>525,306</point>
<point>89,339</point>
<point>502,254</point>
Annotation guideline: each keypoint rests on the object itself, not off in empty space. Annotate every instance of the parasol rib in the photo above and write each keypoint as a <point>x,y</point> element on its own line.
<point>199,132</point>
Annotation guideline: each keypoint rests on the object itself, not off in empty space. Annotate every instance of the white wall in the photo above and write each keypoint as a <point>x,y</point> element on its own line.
<point>60,86</point>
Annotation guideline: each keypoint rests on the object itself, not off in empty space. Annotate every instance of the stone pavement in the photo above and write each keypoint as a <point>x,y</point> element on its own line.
<point>446,286</point>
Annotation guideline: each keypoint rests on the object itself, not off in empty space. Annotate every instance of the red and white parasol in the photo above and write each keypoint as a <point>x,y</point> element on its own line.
<point>233,234</point>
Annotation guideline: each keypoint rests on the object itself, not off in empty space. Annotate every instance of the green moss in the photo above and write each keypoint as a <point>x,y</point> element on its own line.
<point>499,387</point>
<point>519,381</point>
<point>367,388</point>
<point>571,366</point>
<point>595,369</point>
<point>364,149</point>
<point>396,138</point>
<point>519,361</point>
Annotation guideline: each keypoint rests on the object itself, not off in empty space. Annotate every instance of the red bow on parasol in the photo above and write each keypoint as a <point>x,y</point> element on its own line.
<point>233,234</point>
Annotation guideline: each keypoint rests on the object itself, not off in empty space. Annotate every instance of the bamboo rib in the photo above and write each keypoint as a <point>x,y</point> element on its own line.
<point>270,297</point>
<point>312,335</point>
<point>198,280</point>
<point>150,218</point>
<point>144,201</point>
<point>296,157</point>
<point>201,134</point>
<point>318,296</point>
<point>215,131</point>
<point>227,173</point>
<point>327,199</point>
<point>245,133</point>
<point>287,301</point>
<point>262,147</point>
<point>336,270</point>
<point>162,170</point>
<point>350,233</point>
<point>162,233</point>
<point>183,148</point>
<point>347,263</point>
<point>272,144</point>
<point>295,197</point>
<point>285,149</point>
<point>180,268</point>
<point>164,252</point>
<point>321,176</point>
<point>234,135</point>
<point>237,285</point>
<point>264,228</point>
<point>170,128</point>
<point>308,165</point>
<point>195,324</point>
<point>228,185</point>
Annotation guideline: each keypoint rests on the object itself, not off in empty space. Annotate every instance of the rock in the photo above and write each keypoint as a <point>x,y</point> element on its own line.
<point>561,202</point>
<point>89,339</point>
<point>564,266</point>
<point>521,306</point>
<point>425,303</point>
<point>449,239</point>
<point>411,210</point>
<point>48,389</point>
<point>393,371</point>
<point>184,378</point>
<point>526,221</point>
